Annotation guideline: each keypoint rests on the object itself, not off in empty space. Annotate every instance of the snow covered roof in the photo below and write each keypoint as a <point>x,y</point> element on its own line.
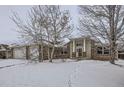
<point>82,37</point>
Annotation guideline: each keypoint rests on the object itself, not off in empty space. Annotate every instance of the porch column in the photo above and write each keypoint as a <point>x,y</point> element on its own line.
<point>73,46</point>
<point>74,49</point>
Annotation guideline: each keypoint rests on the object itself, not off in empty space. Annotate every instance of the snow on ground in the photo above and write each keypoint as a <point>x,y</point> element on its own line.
<point>73,73</point>
<point>10,62</point>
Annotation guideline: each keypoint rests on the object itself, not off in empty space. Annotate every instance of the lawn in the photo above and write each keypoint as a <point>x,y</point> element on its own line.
<point>84,73</point>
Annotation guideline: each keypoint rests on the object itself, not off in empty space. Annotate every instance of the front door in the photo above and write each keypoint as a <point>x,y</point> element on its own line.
<point>79,52</point>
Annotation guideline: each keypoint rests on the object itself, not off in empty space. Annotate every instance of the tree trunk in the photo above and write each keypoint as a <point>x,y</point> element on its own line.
<point>112,55</point>
<point>27,52</point>
<point>52,53</point>
<point>48,52</point>
<point>112,34</point>
<point>40,53</point>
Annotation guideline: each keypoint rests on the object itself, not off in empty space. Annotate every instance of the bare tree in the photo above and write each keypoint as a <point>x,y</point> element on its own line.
<point>56,24</point>
<point>30,31</point>
<point>47,23</point>
<point>104,23</point>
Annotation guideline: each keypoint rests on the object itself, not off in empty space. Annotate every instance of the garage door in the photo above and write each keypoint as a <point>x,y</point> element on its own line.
<point>20,53</point>
<point>121,56</point>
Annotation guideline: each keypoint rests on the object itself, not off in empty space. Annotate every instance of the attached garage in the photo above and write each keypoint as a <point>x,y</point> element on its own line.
<point>19,52</point>
<point>25,52</point>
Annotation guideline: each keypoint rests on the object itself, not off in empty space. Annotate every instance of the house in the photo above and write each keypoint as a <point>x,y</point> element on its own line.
<point>76,48</point>
<point>5,51</point>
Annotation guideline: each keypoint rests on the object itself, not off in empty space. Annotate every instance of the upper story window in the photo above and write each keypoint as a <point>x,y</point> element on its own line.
<point>64,51</point>
<point>78,43</point>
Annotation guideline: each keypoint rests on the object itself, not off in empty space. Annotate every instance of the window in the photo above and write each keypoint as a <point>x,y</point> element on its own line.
<point>99,50</point>
<point>106,51</point>
<point>64,51</point>
<point>103,50</point>
<point>78,43</point>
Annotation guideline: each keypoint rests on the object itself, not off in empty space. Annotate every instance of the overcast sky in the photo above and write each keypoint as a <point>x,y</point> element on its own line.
<point>7,32</point>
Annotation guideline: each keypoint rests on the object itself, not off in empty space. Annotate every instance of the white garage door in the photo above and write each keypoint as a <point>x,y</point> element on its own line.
<point>20,53</point>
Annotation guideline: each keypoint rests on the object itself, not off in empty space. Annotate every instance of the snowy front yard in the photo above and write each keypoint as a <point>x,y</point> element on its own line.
<point>60,74</point>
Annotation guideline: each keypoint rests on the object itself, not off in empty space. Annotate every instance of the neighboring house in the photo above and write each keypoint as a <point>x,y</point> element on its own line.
<point>5,51</point>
